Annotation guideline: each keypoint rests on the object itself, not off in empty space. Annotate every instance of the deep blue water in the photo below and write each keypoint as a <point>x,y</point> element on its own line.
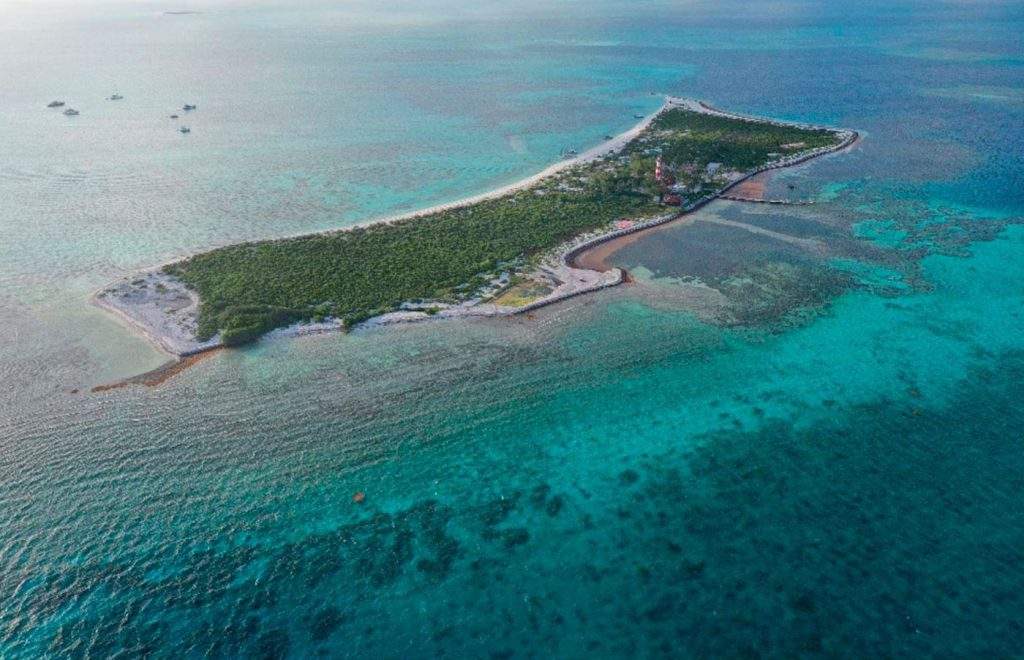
<point>837,475</point>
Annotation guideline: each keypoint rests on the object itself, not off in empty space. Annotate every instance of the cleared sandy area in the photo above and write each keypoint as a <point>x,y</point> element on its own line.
<point>159,306</point>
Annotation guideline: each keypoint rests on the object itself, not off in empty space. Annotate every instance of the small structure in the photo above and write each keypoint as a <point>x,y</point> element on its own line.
<point>662,174</point>
<point>671,200</point>
<point>713,168</point>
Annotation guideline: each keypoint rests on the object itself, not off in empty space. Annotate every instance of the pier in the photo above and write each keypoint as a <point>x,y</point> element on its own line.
<point>755,200</point>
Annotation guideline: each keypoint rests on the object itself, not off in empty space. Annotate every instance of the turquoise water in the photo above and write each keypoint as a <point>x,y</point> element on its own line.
<point>838,475</point>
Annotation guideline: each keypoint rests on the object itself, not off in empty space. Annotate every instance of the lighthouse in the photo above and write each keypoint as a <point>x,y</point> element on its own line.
<point>662,174</point>
<point>665,180</point>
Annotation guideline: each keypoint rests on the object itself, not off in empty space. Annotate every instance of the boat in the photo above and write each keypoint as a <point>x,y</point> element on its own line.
<point>54,104</point>
<point>638,116</point>
<point>188,106</point>
<point>608,137</point>
<point>115,97</point>
<point>174,116</point>
<point>71,112</point>
<point>185,129</point>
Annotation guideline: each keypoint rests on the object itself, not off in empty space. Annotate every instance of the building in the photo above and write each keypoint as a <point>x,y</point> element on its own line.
<point>662,174</point>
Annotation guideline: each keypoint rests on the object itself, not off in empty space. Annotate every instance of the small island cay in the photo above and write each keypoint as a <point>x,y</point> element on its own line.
<point>504,252</point>
<point>55,104</point>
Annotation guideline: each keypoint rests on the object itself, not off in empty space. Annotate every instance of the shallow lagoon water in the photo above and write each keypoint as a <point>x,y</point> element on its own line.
<point>612,477</point>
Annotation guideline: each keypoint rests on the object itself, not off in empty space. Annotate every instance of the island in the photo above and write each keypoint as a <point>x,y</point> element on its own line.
<point>505,252</point>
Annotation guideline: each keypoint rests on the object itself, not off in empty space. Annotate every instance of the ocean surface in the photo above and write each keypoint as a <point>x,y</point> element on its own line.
<point>838,470</point>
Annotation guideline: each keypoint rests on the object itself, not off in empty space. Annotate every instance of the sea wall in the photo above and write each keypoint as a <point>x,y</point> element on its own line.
<point>569,257</point>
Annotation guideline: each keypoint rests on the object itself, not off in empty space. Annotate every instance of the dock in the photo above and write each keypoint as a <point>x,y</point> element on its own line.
<point>756,200</point>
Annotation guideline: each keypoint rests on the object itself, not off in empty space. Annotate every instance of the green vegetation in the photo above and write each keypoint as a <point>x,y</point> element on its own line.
<point>249,289</point>
<point>691,137</point>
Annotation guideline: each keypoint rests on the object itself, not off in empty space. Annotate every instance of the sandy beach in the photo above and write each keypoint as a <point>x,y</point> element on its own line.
<point>597,152</point>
